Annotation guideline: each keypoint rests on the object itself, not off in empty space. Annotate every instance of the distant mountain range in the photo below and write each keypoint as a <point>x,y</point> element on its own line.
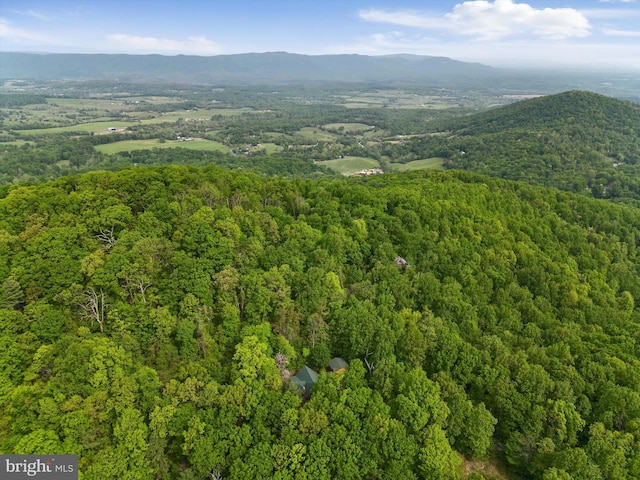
<point>249,68</point>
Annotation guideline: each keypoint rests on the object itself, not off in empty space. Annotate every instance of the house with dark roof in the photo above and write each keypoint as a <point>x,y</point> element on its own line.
<point>338,365</point>
<point>304,380</point>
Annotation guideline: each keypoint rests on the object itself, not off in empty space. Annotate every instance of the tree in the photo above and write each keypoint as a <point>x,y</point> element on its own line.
<point>418,401</point>
<point>11,293</point>
<point>436,459</point>
<point>93,306</point>
<point>477,434</point>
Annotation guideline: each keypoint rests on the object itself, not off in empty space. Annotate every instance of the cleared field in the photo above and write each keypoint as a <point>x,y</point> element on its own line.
<point>397,99</point>
<point>434,162</point>
<point>350,165</point>
<point>315,134</point>
<point>95,127</point>
<point>269,148</point>
<point>17,143</point>
<point>130,145</point>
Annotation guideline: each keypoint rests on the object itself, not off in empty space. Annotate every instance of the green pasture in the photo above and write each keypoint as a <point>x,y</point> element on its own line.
<point>95,127</point>
<point>130,145</point>
<point>269,148</point>
<point>17,143</point>
<point>349,165</point>
<point>434,163</point>
<point>316,134</point>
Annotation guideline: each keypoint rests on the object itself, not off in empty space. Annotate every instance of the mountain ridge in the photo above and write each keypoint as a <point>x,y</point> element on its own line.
<point>248,68</point>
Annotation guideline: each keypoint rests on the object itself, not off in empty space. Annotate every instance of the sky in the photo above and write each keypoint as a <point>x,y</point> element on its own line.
<point>512,33</point>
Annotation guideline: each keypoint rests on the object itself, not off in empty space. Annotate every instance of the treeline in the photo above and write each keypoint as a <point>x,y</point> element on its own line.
<point>13,100</point>
<point>150,319</point>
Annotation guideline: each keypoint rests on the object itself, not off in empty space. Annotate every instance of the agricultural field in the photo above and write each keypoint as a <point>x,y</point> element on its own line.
<point>398,99</point>
<point>94,127</point>
<point>435,162</point>
<point>131,145</point>
<point>316,134</point>
<point>269,148</point>
<point>350,165</point>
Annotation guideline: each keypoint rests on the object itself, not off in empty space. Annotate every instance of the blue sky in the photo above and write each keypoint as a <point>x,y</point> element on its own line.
<point>598,33</point>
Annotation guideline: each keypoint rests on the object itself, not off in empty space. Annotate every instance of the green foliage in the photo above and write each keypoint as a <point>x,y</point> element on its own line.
<point>11,293</point>
<point>515,325</point>
<point>8,100</point>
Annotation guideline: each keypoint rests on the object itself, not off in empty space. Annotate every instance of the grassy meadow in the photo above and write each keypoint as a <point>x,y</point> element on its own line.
<point>434,162</point>
<point>130,145</point>
<point>349,165</point>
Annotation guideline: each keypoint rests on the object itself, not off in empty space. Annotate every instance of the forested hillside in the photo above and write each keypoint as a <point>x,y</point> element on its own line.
<point>150,320</point>
<point>577,141</point>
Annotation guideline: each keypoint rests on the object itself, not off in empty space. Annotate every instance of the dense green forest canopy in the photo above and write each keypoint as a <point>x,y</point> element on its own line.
<point>150,320</point>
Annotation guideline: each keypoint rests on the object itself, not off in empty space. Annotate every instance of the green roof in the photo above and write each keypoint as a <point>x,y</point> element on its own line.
<point>305,379</point>
<point>337,363</point>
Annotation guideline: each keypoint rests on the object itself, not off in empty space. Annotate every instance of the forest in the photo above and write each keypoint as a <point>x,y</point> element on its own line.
<point>152,320</point>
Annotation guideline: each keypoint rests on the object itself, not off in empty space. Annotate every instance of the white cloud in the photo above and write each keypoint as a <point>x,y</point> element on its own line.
<point>403,18</point>
<point>190,46</point>
<point>489,20</point>
<point>504,17</point>
<point>19,35</point>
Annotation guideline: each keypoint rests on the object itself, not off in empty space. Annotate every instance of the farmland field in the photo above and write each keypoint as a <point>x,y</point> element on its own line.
<point>95,127</point>
<point>316,134</point>
<point>434,162</point>
<point>269,148</point>
<point>130,145</point>
<point>398,99</point>
<point>349,165</point>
